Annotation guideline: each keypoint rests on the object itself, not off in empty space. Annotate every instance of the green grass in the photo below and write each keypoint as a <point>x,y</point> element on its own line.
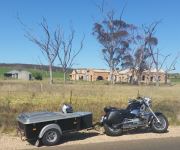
<point>175,80</point>
<point>58,75</point>
<point>45,74</point>
<point>3,70</point>
<point>20,96</point>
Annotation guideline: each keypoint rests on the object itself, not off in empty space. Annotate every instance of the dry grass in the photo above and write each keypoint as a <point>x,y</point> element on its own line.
<point>17,97</point>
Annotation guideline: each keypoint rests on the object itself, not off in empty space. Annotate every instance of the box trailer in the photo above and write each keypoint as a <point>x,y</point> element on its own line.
<point>48,127</point>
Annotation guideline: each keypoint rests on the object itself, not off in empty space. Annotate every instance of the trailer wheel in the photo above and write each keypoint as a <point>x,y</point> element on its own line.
<point>51,137</point>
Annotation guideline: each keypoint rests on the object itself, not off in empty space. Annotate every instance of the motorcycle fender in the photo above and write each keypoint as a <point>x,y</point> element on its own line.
<point>151,117</point>
<point>158,113</point>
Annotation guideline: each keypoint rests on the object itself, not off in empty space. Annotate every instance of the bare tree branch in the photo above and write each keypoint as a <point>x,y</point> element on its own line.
<point>164,60</point>
<point>172,65</point>
<point>49,46</point>
<point>67,53</point>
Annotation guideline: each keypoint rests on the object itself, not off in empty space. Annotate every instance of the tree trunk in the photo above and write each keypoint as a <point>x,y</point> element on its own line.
<point>139,78</point>
<point>166,77</point>
<point>132,78</point>
<point>111,66</point>
<point>64,77</point>
<point>111,75</point>
<point>157,69</point>
<point>157,77</point>
<point>50,74</point>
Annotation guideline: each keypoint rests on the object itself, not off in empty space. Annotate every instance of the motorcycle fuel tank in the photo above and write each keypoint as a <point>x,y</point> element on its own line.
<point>135,112</point>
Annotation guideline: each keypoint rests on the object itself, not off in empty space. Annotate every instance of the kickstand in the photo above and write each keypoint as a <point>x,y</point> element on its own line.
<point>37,144</point>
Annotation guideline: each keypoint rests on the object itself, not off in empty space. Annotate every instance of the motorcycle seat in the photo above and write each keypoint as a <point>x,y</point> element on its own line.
<point>124,111</point>
<point>109,108</point>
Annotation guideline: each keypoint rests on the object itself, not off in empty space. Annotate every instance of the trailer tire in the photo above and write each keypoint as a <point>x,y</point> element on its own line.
<point>51,137</point>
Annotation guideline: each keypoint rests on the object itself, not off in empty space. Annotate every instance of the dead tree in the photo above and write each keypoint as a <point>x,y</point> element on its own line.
<point>139,59</point>
<point>151,41</point>
<point>49,46</point>
<point>67,53</point>
<point>171,67</point>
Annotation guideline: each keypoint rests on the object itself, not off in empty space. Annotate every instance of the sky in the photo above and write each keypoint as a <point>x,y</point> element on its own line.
<point>82,14</point>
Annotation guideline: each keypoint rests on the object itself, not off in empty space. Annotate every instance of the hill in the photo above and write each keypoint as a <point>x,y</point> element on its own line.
<point>33,68</point>
<point>29,66</point>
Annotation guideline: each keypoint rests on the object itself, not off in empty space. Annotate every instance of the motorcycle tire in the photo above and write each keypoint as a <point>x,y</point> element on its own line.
<point>159,127</point>
<point>110,131</point>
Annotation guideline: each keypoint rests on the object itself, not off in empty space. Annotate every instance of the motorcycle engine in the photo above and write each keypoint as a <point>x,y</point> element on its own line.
<point>132,123</point>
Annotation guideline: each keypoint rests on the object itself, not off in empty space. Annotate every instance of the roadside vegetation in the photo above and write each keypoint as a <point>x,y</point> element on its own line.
<point>35,72</point>
<point>18,96</point>
<point>175,78</point>
<point>22,96</point>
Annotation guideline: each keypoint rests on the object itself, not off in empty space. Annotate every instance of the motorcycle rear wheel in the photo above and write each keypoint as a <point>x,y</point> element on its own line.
<point>160,127</point>
<point>110,131</point>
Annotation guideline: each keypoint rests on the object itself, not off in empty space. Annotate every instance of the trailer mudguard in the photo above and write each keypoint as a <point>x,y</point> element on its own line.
<point>47,127</point>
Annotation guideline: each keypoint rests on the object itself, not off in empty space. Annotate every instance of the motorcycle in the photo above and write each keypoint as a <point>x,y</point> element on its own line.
<point>138,114</point>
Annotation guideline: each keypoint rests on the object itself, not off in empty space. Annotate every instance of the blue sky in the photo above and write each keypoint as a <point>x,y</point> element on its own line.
<point>15,48</point>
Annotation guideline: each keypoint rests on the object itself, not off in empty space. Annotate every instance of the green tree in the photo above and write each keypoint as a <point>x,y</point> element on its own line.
<point>115,36</point>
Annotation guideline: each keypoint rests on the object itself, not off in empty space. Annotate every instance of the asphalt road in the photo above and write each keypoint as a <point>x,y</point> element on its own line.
<point>148,144</point>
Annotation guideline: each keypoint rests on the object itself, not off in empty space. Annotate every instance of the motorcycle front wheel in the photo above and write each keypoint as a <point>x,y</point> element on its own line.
<point>160,127</point>
<point>111,131</point>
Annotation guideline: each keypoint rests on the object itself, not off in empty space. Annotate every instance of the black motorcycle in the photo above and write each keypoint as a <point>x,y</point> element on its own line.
<point>138,114</point>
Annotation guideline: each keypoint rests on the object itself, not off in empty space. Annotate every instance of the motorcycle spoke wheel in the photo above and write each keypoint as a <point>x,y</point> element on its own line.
<point>160,126</point>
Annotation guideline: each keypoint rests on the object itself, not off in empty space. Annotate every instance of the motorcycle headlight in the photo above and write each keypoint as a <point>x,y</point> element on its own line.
<point>148,101</point>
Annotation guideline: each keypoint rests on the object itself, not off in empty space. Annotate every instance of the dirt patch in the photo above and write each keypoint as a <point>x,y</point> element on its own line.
<point>178,116</point>
<point>8,142</point>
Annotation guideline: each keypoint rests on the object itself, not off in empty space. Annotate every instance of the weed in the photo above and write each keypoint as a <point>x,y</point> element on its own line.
<point>17,97</point>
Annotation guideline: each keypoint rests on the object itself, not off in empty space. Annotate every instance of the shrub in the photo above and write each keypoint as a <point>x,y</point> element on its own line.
<point>37,75</point>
